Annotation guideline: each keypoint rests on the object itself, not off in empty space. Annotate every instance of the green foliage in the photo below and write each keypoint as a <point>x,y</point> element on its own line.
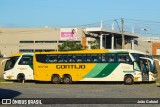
<point>94,44</point>
<point>1,55</point>
<point>69,46</point>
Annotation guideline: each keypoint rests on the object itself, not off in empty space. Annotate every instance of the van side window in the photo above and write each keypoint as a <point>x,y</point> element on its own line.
<point>26,60</point>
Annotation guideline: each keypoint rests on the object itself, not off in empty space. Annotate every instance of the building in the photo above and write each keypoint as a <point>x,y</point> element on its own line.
<point>150,44</point>
<point>14,40</point>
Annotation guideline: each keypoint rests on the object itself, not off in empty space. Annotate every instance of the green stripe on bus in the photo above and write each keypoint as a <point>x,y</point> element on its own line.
<point>107,70</point>
<point>96,70</point>
<point>31,66</point>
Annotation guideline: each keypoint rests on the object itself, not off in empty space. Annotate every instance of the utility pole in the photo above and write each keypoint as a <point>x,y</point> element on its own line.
<point>123,41</point>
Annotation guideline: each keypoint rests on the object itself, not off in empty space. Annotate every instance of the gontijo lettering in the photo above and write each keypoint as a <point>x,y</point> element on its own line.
<point>70,66</point>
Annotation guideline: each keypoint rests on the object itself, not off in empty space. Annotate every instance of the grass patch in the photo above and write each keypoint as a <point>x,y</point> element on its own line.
<point>2,80</point>
<point>158,83</point>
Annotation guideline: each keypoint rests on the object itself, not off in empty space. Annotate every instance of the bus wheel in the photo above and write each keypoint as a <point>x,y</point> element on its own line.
<point>21,78</point>
<point>56,79</point>
<point>128,80</point>
<point>67,79</point>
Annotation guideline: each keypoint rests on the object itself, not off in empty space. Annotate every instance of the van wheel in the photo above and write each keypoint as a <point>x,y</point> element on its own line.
<point>56,79</point>
<point>128,80</point>
<point>67,79</point>
<point>21,78</point>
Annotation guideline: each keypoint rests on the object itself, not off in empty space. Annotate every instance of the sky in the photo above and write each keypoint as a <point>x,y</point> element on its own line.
<point>60,13</point>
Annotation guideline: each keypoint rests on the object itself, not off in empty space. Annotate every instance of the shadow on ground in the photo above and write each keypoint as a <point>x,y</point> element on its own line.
<point>8,94</point>
<point>95,82</point>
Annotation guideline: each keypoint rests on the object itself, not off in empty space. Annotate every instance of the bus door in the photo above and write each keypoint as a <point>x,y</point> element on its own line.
<point>146,66</point>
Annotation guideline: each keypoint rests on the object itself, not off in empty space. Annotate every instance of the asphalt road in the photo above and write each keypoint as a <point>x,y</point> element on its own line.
<point>32,90</point>
<point>40,90</point>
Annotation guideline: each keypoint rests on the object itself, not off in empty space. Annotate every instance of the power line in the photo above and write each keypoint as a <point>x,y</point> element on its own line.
<point>144,21</point>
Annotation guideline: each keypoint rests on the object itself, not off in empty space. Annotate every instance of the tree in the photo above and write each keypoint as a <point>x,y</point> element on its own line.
<point>1,55</point>
<point>69,46</point>
<point>94,44</point>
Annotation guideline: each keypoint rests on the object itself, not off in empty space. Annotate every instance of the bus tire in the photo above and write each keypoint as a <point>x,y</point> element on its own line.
<point>128,80</point>
<point>21,78</point>
<point>56,79</point>
<point>67,79</point>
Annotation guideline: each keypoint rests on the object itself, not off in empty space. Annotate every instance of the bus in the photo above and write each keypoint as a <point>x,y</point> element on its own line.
<point>90,65</point>
<point>19,67</point>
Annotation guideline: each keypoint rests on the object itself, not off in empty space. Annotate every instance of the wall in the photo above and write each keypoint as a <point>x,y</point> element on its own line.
<point>155,46</point>
<point>157,65</point>
<point>144,46</point>
<point>10,39</point>
<point>1,69</point>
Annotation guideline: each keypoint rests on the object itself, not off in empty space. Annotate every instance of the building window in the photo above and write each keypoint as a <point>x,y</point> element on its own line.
<point>44,50</point>
<point>62,41</point>
<point>78,41</point>
<point>65,41</point>
<point>26,50</point>
<point>26,41</point>
<point>45,41</point>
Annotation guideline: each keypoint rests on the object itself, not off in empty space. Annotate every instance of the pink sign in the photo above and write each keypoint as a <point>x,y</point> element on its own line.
<point>68,33</point>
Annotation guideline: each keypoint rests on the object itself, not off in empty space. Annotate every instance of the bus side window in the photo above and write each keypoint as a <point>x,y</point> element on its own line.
<point>65,58</point>
<point>99,58</point>
<point>74,58</point>
<point>79,58</point>
<point>103,57</point>
<point>111,58</point>
<point>128,59</point>
<point>124,58</point>
<point>60,58</point>
<point>83,58</point>
<point>52,58</point>
<point>121,58</point>
<point>94,58</point>
<point>71,58</point>
<point>88,58</point>
<point>41,58</point>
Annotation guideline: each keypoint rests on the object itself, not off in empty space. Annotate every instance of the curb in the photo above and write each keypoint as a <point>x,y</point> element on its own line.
<point>6,82</point>
<point>158,84</point>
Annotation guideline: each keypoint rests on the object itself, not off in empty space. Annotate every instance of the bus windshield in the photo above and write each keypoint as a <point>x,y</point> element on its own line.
<point>10,63</point>
<point>137,56</point>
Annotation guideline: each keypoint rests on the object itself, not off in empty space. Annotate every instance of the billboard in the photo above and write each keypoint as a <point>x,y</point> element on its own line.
<point>68,34</point>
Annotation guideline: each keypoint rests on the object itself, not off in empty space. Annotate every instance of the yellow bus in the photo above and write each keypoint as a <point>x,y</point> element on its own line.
<point>90,65</point>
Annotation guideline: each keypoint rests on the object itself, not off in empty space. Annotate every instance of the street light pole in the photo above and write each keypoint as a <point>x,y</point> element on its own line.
<point>122,20</point>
